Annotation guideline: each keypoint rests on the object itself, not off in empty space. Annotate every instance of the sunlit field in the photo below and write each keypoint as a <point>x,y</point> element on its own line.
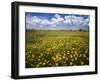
<point>56,48</point>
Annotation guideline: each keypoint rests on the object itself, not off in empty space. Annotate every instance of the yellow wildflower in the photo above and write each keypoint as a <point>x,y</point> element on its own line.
<point>70,63</point>
<point>82,63</point>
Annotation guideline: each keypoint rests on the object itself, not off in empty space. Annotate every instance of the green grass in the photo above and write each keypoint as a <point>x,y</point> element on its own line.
<point>53,48</point>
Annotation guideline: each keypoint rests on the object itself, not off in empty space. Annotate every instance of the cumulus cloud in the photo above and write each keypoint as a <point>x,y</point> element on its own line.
<point>76,20</point>
<point>57,21</point>
<point>35,19</point>
<point>45,22</point>
<point>67,19</point>
<point>32,19</point>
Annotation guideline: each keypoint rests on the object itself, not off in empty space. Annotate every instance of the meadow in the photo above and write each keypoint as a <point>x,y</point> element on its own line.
<point>56,48</point>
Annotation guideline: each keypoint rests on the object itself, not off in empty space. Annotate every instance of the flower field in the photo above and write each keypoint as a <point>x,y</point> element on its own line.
<point>53,48</point>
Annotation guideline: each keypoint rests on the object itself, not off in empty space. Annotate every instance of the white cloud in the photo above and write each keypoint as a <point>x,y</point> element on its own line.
<point>57,19</point>
<point>86,21</point>
<point>54,20</point>
<point>45,22</point>
<point>36,19</point>
<point>57,16</point>
<point>41,26</point>
<point>28,20</point>
<point>77,20</point>
<point>67,19</point>
<point>33,20</point>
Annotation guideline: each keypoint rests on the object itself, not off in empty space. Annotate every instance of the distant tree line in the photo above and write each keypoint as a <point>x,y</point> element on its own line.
<point>78,30</point>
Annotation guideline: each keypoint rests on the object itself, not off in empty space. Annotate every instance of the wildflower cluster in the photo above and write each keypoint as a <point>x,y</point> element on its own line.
<point>56,48</point>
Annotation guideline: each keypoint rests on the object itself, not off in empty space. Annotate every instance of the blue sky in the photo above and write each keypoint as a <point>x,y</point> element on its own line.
<point>56,21</point>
